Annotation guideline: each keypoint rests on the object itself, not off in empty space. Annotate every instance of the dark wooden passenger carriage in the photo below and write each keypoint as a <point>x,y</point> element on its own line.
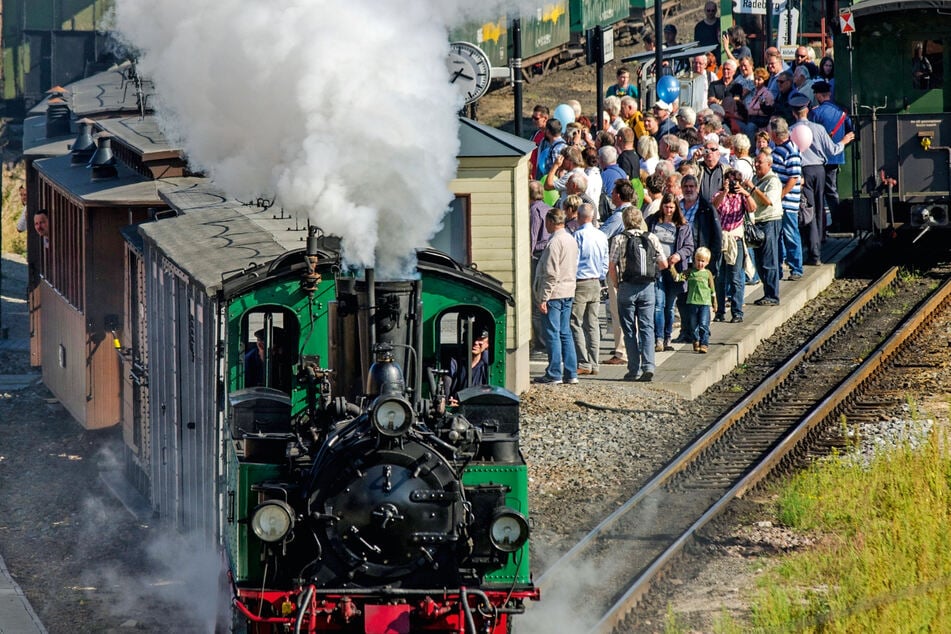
<point>78,272</point>
<point>77,276</point>
<point>181,262</point>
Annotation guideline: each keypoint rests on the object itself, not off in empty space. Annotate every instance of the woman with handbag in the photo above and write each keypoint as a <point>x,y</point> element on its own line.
<point>731,278</point>
<point>676,238</point>
<point>763,198</point>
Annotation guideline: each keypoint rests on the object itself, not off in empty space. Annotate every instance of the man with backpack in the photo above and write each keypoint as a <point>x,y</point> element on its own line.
<point>622,197</point>
<point>636,257</point>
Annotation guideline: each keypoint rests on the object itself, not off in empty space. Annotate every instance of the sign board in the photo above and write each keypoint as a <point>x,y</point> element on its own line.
<point>788,53</point>
<point>607,45</point>
<point>782,37</point>
<point>756,7</point>
<point>846,22</point>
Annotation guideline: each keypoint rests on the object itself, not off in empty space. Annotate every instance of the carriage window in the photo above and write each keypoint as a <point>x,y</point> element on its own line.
<point>927,64</point>
<point>268,357</point>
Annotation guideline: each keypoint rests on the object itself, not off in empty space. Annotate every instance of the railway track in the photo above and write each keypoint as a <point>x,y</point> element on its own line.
<point>602,578</point>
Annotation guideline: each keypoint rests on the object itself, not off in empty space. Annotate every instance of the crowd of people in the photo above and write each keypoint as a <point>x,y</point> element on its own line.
<point>651,210</point>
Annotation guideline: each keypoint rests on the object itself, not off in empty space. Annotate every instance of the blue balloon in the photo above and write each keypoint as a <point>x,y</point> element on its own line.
<point>668,88</point>
<point>565,114</point>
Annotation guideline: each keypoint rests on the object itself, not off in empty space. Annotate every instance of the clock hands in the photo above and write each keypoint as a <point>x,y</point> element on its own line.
<point>459,73</point>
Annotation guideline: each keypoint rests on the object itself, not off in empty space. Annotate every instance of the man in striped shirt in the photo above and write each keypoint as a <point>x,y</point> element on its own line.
<point>787,165</point>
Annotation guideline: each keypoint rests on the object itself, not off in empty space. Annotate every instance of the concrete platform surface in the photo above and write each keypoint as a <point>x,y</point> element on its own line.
<point>688,373</point>
<point>16,614</point>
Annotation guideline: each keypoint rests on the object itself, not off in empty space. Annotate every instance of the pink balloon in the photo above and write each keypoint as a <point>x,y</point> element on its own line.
<point>801,135</point>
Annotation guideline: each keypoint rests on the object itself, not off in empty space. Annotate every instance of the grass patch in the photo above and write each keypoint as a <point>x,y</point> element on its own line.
<point>885,560</point>
<point>908,275</point>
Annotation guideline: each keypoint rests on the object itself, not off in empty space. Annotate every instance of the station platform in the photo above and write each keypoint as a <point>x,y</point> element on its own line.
<point>688,373</point>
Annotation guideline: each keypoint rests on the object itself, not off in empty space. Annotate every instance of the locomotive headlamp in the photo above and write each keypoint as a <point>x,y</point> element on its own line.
<point>271,521</point>
<point>392,416</point>
<point>509,530</point>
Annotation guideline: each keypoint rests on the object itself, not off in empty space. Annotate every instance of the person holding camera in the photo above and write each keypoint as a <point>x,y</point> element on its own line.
<point>730,203</point>
<point>569,163</point>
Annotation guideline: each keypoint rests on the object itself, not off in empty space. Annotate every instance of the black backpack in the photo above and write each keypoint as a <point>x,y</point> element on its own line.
<point>605,207</point>
<point>640,259</point>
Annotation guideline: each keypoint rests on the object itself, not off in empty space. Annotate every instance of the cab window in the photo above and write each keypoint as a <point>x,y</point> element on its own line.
<point>269,353</point>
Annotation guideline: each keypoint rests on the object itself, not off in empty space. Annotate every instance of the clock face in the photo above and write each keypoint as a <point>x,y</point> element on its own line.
<point>469,70</point>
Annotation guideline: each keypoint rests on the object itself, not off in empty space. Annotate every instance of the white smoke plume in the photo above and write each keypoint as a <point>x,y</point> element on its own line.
<point>341,110</point>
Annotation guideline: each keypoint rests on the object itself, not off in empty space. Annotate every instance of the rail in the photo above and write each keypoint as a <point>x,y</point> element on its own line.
<point>828,406</point>
<point>615,564</point>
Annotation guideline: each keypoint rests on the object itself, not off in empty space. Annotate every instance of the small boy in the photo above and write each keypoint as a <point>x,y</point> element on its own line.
<point>701,297</point>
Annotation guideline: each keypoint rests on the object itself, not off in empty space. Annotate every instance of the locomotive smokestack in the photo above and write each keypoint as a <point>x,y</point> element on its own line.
<point>311,277</point>
<point>371,305</point>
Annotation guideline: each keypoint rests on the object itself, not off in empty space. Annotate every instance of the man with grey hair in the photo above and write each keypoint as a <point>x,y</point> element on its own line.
<point>610,170</point>
<point>612,106</point>
<point>686,118</point>
<point>700,84</point>
<point>577,185</point>
<point>802,83</point>
<point>554,292</point>
<point>592,271</point>
<point>632,116</point>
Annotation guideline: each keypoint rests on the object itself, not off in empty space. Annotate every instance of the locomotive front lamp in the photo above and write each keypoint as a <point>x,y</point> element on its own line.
<point>508,531</point>
<point>392,416</point>
<point>271,521</point>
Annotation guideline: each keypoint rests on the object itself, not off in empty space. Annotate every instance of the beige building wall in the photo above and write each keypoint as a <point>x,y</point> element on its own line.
<point>498,190</point>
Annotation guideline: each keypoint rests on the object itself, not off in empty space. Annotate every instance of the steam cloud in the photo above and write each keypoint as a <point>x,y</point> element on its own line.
<point>342,110</point>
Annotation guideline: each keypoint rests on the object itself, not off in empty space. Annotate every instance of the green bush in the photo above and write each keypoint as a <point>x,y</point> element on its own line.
<point>13,178</point>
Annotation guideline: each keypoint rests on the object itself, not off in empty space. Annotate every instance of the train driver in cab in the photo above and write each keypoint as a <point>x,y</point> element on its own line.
<point>254,366</point>
<point>477,367</point>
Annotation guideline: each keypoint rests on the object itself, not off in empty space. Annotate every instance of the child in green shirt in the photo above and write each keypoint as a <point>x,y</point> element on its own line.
<point>701,297</point>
